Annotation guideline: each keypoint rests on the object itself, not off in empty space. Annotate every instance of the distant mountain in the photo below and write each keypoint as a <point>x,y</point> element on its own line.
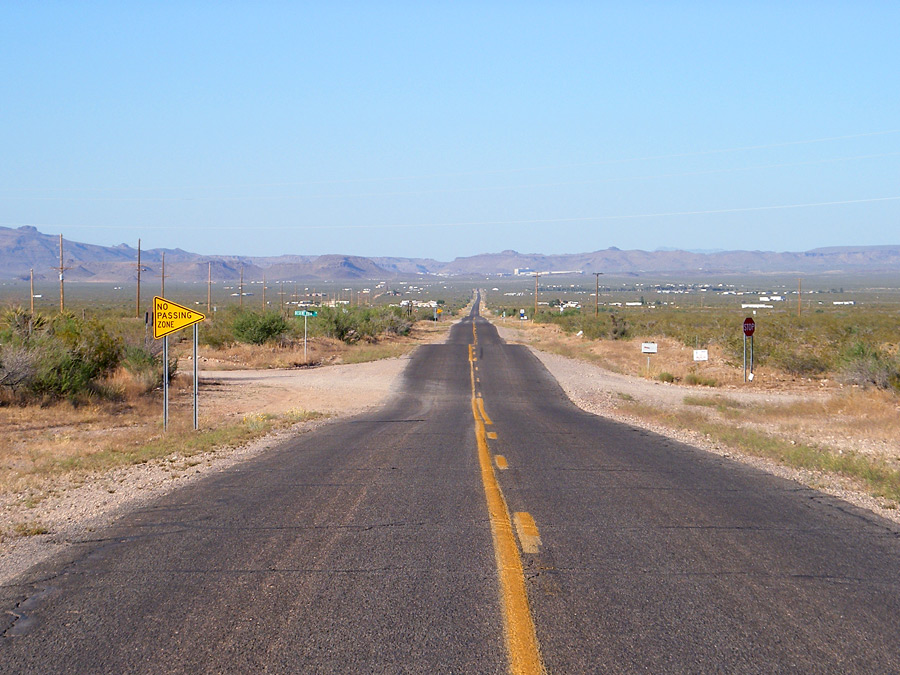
<point>26,248</point>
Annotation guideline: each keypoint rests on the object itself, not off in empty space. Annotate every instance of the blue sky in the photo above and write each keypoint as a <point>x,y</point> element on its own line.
<point>450,129</point>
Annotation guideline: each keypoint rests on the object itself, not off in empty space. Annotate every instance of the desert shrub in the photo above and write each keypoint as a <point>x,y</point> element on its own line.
<point>145,367</point>
<point>665,377</point>
<point>866,366</point>
<point>259,328</point>
<point>17,366</point>
<point>691,378</point>
<point>799,364</point>
<point>89,342</point>
<point>62,357</point>
<point>337,323</point>
<point>619,330</point>
<point>217,332</point>
<point>351,325</point>
<point>388,321</point>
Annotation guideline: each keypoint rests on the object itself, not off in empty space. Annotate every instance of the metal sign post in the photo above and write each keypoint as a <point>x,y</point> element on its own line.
<point>165,382</point>
<point>751,357</point>
<point>196,373</point>
<point>749,329</point>
<point>648,348</point>
<point>169,317</point>
<point>305,314</point>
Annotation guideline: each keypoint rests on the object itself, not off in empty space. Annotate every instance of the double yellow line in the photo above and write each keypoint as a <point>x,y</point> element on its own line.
<point>521,639</point>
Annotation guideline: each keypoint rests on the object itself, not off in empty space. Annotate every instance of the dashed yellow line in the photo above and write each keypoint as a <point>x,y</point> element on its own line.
<point>492,435</point>
<point>484,415</point>
<point>521,638</point>
<point>500,460</point>
<point>528,533</point>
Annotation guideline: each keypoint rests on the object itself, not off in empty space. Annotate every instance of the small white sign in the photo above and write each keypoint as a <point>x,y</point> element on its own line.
<point>701,355</point>
<point>648,348</point>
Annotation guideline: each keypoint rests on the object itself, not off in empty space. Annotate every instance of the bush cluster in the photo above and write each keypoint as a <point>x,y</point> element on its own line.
<point>868,366</point>
<point>348,324</point>
<point>362,323</point>
<point>258,328</point>
<point>64,357</point>
<point>58,357</point>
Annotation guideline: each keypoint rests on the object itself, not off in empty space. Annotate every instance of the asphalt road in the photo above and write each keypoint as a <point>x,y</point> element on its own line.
<point>372,545</point>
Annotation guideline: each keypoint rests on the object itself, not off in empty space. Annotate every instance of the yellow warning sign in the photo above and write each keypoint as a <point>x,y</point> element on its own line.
<point>169,316</point>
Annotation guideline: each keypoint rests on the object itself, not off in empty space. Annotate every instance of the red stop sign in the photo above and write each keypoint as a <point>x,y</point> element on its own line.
<point>749,326</point>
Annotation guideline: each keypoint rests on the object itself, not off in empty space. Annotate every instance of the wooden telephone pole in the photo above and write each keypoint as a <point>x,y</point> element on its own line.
<point>264,291</point>
<point>597,295</point>
<point>208,286</point>
<point>61,269</point>
<point>32,291</point>
<point>162,276</point>
<point>537,275</point>
<point>137,303</point>
<point>241,290</point>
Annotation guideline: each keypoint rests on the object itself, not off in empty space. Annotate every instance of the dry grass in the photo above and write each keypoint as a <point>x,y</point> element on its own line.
<point>46,448</point>
<point>873,474</point>
<point>869,419</point>
<point>673,357</point>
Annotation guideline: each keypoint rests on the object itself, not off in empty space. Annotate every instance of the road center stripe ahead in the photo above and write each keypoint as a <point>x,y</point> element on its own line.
<point>521,638</point>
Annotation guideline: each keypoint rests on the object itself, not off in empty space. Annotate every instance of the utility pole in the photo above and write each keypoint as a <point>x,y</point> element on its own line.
<point>61,269</point>
<point>597,295</point>
<point>281,297</point>
<point>32,292</point>
<point>208,286</point>
<point>162,276</point>
<point>264,291</point>
<point>137,301</point>
<point>537,275</point>
<point>799,297</point>
<point>241,290</point>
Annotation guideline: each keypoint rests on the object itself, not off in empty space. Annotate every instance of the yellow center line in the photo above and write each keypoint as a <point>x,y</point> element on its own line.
<point>492,435</point>
<point>521,638</point>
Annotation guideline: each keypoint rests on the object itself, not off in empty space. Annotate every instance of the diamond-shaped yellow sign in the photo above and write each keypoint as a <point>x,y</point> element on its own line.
<point>169,316</point>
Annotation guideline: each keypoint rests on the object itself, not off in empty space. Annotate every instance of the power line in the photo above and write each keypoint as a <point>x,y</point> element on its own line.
<point>483,188</point>
<point>532,221</point>
<point>481,172</point>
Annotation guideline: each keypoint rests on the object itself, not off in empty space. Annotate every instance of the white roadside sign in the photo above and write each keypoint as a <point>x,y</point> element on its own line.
<point>648,348</point>
<point>701,355</point>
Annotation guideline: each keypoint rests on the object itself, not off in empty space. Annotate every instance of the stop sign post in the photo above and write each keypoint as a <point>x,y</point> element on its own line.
<point>749,329</point>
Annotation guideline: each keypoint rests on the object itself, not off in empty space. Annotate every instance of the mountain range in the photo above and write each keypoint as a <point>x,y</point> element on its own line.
<point>25,248</point>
